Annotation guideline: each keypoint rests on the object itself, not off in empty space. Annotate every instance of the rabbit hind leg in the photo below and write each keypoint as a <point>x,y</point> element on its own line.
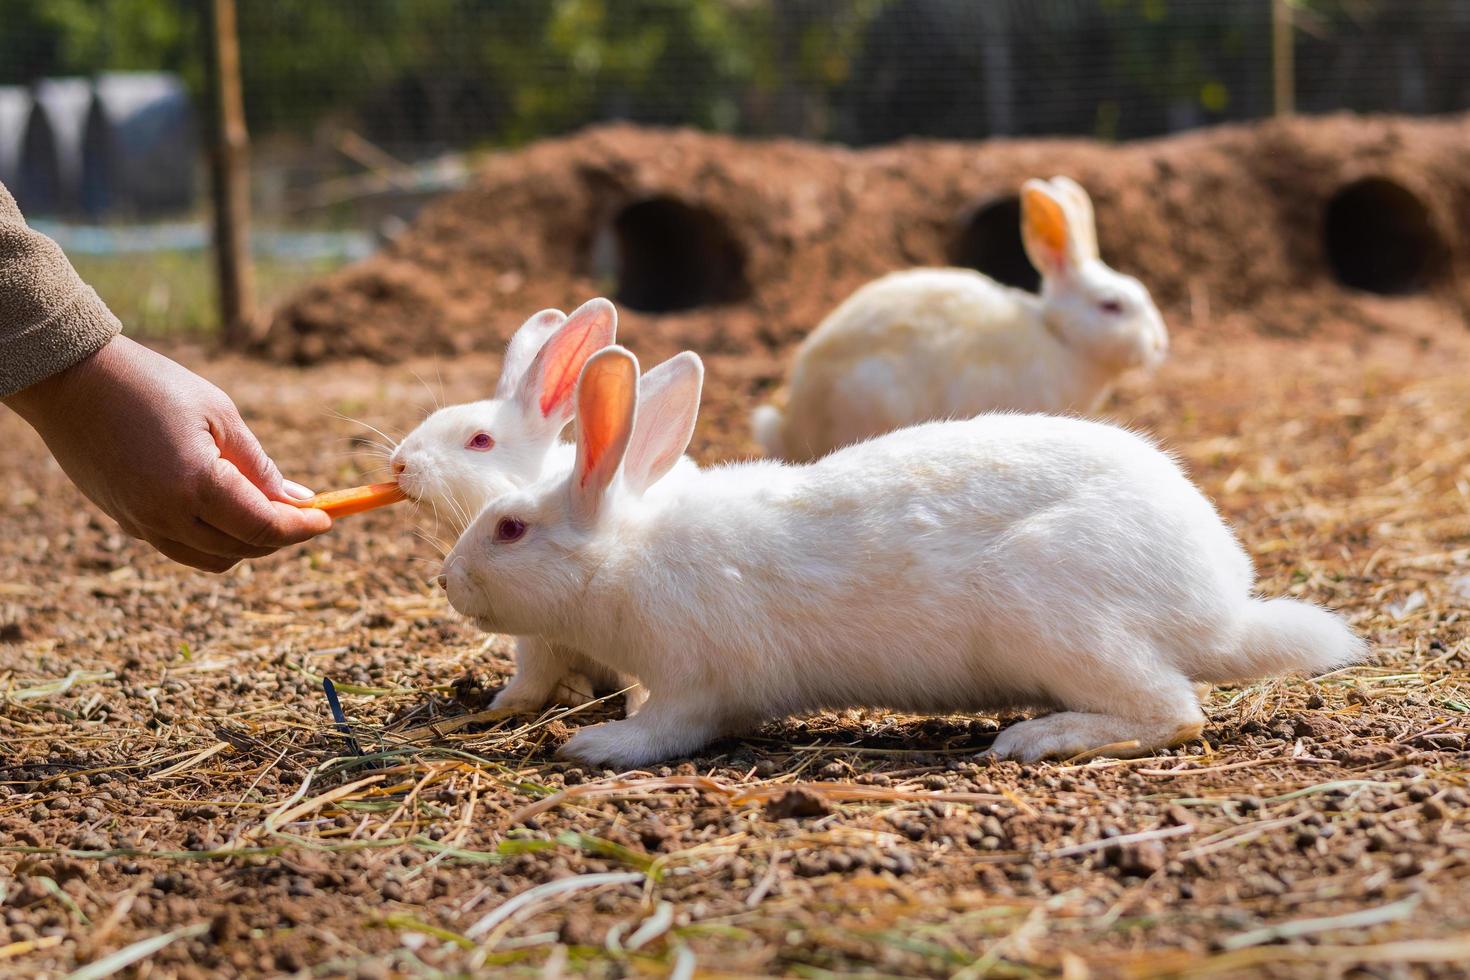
<point>1166,714</point>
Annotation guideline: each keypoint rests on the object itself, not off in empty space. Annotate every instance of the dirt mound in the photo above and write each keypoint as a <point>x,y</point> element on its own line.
<point>1289,227</point>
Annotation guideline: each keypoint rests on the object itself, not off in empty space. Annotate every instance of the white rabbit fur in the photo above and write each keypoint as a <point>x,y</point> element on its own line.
<point>437,465</point>
<point>950,343</point>
<point>1005,561</point>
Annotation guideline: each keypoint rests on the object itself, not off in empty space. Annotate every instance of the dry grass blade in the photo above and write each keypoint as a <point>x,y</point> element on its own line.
<point>128,955</point>
<point>1361,919</point>
<point>525,902</point>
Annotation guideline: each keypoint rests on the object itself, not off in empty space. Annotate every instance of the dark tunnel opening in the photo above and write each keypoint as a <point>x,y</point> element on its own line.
<point>1379,237</point>
<point>668,256</point>
<point>989,240</point>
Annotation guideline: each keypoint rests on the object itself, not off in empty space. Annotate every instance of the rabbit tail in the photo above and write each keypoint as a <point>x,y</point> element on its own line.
<point>1282,636</point>
<point>766,423</point>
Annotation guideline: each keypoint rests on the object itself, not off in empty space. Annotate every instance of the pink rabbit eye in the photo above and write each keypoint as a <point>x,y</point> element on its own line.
<point>480,442</point>
<point>1111,306</point>
<point>509,529</point>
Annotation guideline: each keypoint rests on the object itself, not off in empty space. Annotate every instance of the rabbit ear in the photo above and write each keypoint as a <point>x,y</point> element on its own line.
<point>668,404</point>
<point>522,349</point>
<point>1079,214</point>
<point>1045,230</point>
<point>607,406</point>
<point>545,391</point>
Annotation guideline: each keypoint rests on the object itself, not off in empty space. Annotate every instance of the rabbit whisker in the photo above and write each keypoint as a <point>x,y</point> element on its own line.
<point>367,425</point>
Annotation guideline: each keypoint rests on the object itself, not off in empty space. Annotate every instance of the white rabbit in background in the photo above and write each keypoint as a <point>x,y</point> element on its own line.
<point>950,343</point>
<point>1004,561</point>
<point>462,456</point>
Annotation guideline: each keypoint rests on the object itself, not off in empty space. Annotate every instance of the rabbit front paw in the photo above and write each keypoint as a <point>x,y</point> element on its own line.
<point>517,699</point>
<point>574,689</point>
<point>615,744</point>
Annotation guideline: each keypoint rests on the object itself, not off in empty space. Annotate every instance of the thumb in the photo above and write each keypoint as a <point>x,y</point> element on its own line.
<point>238,445</point>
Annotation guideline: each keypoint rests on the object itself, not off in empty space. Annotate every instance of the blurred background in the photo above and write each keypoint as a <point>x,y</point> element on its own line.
<point>360,110</point>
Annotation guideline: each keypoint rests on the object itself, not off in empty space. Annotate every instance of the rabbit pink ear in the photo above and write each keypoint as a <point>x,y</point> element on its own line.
<point>607,406</point>
<point>523,347</point>
<point>668,404</point>
<point>1044,229</point>
<point>547,388</point>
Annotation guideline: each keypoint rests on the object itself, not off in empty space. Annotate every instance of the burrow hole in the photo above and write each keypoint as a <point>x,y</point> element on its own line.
<point>666,256</point>
<point>988,238</point>
<point>1379,237</point>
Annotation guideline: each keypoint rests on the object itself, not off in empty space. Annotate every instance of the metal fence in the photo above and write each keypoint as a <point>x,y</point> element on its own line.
<point>330,83</point>
<point>861,71</point>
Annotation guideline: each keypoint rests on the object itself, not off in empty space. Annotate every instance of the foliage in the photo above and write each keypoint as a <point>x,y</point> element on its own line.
<point>452,72</point>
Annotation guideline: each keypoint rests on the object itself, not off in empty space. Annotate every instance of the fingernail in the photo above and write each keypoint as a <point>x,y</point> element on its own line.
<point>297,490</point>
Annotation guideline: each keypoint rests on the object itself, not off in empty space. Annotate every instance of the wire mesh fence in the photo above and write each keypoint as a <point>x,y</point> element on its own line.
<point>417,78</point>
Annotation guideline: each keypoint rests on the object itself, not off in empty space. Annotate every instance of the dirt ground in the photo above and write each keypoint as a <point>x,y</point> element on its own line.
<point>777,233</point>
<point>173,792</point>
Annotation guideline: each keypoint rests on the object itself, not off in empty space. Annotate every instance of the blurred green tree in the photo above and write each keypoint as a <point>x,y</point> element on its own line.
<point>424,73</point>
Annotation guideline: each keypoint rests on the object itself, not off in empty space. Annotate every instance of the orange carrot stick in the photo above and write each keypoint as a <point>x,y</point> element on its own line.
<point>341,503</point>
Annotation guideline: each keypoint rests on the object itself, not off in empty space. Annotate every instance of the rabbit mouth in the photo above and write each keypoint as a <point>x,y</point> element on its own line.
<point>410,485</point>
<point>479,610</point>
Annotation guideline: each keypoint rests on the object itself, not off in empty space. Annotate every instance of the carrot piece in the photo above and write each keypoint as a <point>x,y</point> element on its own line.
<point>341,503</point>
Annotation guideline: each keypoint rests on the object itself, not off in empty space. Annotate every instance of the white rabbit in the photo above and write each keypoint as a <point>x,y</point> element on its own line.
<point>999,562</point>
<point>463,456</point>
<point>951,343</point>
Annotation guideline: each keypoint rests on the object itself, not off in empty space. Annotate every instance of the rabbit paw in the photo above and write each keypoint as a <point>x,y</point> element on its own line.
<point>574,689</point>
<point>519,698</point>
<point>633,700</point>
<point>615,745</point>
<point>1072,733</point>
<point>1039,738</point>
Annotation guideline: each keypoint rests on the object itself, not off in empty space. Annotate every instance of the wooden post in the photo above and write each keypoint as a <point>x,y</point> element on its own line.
<point>230,175</point>
<point>1283,58</point>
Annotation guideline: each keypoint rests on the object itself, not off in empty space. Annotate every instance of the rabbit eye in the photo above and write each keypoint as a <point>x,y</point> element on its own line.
<point>480,442</point>
<point>1111,306</point>
<point>509,529</point>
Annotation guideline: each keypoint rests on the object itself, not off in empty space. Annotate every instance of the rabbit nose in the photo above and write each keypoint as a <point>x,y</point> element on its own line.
<point>443,581</point>
<point>398,467</point>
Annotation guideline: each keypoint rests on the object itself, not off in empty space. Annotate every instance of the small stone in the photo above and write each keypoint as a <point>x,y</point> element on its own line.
<point>899,863</point>
<point>809,867</point>
<point>1141,859</point>
<point>1407,866</point>
<point>1433,809</point>
<point>839,862</point>
<point>799,804</point>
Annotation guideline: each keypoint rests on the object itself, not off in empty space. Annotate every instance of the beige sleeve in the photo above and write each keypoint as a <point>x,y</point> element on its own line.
<point>49,318</point>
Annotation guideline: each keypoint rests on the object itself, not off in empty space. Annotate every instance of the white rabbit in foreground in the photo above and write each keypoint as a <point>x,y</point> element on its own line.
<point>1004,561</point>
<point>463,456</point>
<point>951,343</point>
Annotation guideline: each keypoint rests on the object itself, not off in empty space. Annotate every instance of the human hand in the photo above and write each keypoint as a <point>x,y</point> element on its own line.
<point>165,454</point>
